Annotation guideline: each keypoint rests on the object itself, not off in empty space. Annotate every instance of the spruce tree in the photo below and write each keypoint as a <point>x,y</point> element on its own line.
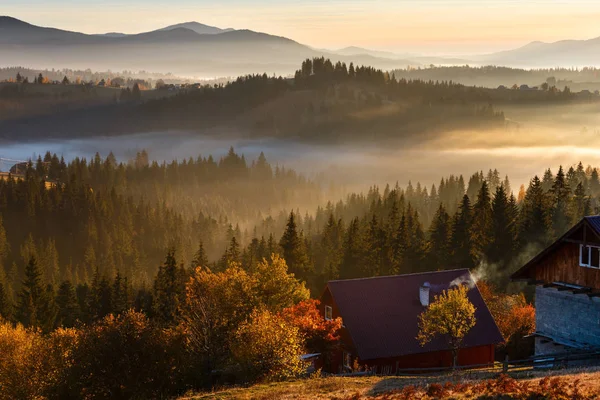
<point>461,244</point>
<point>5,305</point>
<point>353,250</point>
<point>481,229</point>
<point>438,254</point>
<point>200,258</point>
<point>168,290</point>
<point>294,249</point>
<point>502,244</point>
<point>31,296</point>
<point>68,307</point>
<point>535,218</point>
<point>561,193</point>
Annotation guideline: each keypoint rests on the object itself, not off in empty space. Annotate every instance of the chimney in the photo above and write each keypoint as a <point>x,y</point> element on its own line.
<point>424,294</point>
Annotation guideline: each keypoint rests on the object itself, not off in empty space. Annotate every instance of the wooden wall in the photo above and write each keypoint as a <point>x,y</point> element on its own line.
<point>562,265</point>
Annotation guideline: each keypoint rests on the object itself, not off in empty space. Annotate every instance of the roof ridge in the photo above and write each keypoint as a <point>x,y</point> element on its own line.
<point>401,275</point>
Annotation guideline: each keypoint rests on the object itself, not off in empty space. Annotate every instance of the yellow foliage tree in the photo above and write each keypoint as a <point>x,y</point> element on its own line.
<point>452,315</point>
<point>268,348</point>
<point>218,303</point>
<point>275,288</point>
<point>23,363</point>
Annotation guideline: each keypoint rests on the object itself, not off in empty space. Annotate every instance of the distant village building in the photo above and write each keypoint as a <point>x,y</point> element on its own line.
<point>19,168</point>
<point>567,293</point>
<point>380,317</point>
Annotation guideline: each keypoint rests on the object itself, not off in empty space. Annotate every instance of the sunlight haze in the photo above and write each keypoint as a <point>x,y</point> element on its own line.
<point>422,27</point>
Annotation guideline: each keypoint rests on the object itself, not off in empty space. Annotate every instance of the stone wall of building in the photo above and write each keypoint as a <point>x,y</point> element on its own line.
<point>568,319</point>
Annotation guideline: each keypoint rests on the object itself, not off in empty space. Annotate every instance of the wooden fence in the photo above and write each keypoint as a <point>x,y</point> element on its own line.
<point>549,361</point>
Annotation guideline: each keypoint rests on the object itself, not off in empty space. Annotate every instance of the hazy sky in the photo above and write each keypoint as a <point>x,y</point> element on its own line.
<point>417,26</point>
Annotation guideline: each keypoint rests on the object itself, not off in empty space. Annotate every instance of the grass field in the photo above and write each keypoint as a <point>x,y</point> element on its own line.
<point>562,384</point>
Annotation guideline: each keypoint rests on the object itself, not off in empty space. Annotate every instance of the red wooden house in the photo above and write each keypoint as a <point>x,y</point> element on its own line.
<point>567,294</point>
<point>380,317</point>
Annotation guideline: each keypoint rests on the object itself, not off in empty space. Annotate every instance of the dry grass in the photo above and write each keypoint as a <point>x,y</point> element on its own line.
<point>468,385</point>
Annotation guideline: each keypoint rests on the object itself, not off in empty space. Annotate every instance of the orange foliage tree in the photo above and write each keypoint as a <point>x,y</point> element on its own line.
<point>320,335</point>
<point>514,316</point>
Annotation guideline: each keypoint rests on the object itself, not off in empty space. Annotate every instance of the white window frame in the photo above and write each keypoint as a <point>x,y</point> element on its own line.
<point>328,313</point>
<point>589,260</point>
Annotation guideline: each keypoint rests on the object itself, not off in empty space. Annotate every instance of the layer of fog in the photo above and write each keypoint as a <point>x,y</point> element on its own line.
<point>534,139</point>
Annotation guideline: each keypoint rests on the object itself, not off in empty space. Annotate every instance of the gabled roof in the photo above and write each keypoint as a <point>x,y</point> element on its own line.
<point>381,314</point>
<point>592,222</point>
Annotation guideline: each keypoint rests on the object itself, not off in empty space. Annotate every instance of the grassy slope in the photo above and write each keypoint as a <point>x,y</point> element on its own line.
<point>351,388</point>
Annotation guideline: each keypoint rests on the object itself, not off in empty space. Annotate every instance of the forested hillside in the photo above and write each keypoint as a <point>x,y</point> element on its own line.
<point>324,102</point>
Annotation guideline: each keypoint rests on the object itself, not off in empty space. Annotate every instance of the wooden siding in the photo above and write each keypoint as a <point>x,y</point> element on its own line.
<point>334,362</point>
<point>562,265</point>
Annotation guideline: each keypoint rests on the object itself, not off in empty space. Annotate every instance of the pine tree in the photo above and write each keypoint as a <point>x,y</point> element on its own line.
<point>200,258</point>
<point>374,242</point>
<point>481,229</point>
<point>5,305</point>
<point>168,290</point>
<point>439,240</point>
<point>31,296</point>
<point>353,249</point>
<point>68,307</point>
<point>461,243</point>
<point>294,249</point>
<point>536,224</point>
<point>580,205</point>
<point>561,193</point>
<point>502,244</point>
<point>120,294</point>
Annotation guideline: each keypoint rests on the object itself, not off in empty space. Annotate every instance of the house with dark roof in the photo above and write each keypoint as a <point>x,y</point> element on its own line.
<point>380,323</point>
<point>566,276</point>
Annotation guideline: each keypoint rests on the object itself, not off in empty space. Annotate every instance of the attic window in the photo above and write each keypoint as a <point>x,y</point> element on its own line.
<point>328,313</point>
<point>589,256</point>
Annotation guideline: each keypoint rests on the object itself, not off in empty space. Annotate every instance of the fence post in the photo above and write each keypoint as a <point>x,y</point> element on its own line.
<point>505,364</point>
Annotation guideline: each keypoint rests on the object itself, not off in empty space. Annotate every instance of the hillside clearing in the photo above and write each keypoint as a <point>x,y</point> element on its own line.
<point>339,388</point>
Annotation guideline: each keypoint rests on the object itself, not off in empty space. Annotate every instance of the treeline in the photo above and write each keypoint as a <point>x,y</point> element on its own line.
<point>99,216</point>
<point>410,230</point>
<point>493,76</point>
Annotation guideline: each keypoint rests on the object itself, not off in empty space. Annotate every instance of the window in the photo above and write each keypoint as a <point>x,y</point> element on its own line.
<point>328,313</point>
<point>589,256</point>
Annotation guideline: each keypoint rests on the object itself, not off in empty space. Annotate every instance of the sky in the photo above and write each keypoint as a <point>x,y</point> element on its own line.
<point>442,27</point>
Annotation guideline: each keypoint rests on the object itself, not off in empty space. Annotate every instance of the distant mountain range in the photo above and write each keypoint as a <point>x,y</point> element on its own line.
<point>199,28</point>
<point>195,49</point>
<point>190,49</point>
<point>564,53</point>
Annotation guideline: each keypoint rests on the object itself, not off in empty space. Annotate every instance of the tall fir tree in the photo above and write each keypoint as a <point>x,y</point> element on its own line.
<point>481,227</point>
<point>200,258</point>
<point>561,194</point>
<point>68,307</point>
<point>294,249</point>
<point>438,253</point>
<point>503,231</point>
<point>535,218</point>
<point>31,297</point>
<point>461,244</point>
<point>169,287</point>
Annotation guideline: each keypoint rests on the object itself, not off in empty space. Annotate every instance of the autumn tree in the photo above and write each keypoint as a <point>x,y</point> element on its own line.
<point>451,315</point>
<point>513,315</point>
<point>320,335</point>
<point>267,347</point>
